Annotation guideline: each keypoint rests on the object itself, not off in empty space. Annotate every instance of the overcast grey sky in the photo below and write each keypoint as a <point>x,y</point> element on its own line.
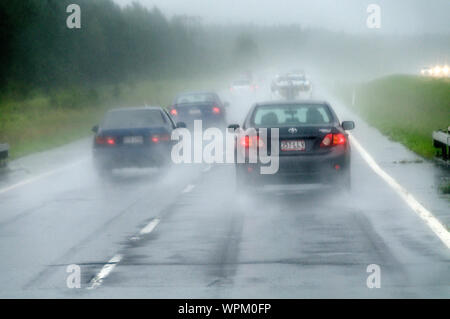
<point>398,16</point>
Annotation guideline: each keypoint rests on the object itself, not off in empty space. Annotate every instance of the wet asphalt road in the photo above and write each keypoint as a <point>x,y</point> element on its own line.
<point>211,241</point>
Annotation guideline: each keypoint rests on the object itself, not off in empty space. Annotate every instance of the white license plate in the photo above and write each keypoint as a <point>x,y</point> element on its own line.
<point>293,145</point>
<point>195,112</point>
<point>133,140</point>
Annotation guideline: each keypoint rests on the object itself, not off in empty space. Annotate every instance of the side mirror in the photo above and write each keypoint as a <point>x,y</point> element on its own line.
<point>348,125</point>
<point>233,126</point>
<point>95,128</point>
<point>181,125</point>
<point>226,104</point>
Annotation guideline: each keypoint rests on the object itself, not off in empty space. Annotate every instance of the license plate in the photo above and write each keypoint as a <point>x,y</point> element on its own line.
<point>293,145</point>
<point>133,140</point>
<point>195,112</point>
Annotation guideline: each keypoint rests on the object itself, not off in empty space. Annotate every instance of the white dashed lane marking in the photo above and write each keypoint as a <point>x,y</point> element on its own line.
<point>188,188</point>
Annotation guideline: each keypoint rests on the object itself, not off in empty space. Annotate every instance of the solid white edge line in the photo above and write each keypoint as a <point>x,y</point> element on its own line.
<point>188,188</point>
<point>150,226</point>
<point>433,223</point>
<point>40,176</point>
<point>104,272</point>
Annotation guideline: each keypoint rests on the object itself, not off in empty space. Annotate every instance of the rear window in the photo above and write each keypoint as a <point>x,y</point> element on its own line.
<point>195,98</point>
<point>291,115</point>
<point>132,119</point>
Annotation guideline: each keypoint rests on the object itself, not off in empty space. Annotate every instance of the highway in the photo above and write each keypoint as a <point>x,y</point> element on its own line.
<point>188,233</point>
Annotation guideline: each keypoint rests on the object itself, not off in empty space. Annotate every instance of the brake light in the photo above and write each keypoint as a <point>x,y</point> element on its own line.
<point>245,141</point>
<point>174,112</point>
<point>249,141</point>
<point>333,139</point>
<point>159,138</point>
<point>105,140</point>
<point>155,139</point>
<point>339,139</point>
<point>216,110</point>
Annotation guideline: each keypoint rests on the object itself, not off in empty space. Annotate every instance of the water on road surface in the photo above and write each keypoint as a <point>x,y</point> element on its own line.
<point>188,233</point>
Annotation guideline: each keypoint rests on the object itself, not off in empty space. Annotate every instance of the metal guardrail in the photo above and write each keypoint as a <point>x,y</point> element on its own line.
<point>4,150</point>
<point>441,140</point>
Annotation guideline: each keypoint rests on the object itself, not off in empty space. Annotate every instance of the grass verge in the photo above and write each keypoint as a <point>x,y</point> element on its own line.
<point>43,121</point>
<point>405,108</point>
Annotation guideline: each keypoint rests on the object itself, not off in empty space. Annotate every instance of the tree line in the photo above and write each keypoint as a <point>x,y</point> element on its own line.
<point>118,44</point>
<point>112,45</point>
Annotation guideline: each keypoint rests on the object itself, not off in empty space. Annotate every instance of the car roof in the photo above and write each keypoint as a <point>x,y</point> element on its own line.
<point>136,108</point>
<point>197,92</point>
<point>296,102</point>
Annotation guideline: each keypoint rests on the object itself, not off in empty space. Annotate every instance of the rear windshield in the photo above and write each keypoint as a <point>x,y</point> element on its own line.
<point>132,119</point>
<point>195,98</point>
<point>291,115</point>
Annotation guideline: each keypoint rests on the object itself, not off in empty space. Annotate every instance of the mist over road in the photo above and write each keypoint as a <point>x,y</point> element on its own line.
<point>187,233</point>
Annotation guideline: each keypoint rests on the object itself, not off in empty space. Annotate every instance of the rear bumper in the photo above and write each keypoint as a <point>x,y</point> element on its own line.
<point>131,156</point>
<point>301,169</point>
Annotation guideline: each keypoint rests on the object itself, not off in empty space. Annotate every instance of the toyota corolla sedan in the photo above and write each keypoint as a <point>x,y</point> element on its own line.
<point>312,145</point>
<point>133,137</point>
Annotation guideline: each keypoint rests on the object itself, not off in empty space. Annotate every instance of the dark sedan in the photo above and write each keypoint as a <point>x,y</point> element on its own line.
<point>205,106</point>
<point>133,137</point>
<point>312,144</point>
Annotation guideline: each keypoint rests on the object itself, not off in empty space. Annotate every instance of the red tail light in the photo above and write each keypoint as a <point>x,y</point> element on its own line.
<point>155,139</point>
<point>105,140</point>
<point>174,112</point>
<point>249,141</point>
<point>159,138</point>
<point>339,139</point>
<point>216,110</point>
<point>333,139</point>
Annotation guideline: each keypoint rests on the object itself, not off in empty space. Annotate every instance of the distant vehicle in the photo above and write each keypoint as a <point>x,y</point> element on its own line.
<point>291,86</point>
<point>426,71</point>
<point>205,106</point>
<point>4,153</point>
<point>243,86</point>
<point>313,144</point>
<point>438,71</point>
<point>133,137</point>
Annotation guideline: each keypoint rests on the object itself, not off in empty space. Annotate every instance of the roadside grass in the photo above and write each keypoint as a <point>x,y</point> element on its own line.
<point>43,121</point>
<point>405,108</point>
